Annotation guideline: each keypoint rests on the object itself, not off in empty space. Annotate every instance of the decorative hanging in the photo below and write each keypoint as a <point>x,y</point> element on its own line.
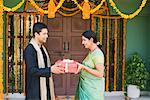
<point>14,8</point>
<point>67,9</point>
<point>97,7</point>
<point>38,8</point>
<point>16,31</point>
<point>85,5</point>
<point>67,15</point>
<point>51,3</point>
<point>130,16</point>
<point>86,10</point>
<point>51,9</point>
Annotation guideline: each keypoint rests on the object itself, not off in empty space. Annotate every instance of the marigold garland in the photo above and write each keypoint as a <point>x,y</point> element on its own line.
<point>68,15</point>
<point>16,32</point>
<point>75,1</point>
<point>92,10</point>
<point>130,16</point>
<point>38,8</point>
<point>67,9</point>
<point>97,7</point>
<point>86,8</point>
<point>46,11</point>
<point>59,4</point>
<point>73,10</point>
<point>51,9</point>
<point>14,8</point>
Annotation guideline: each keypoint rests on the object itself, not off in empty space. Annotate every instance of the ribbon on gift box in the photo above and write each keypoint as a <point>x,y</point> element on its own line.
<point>66,67</point>
<point>67,61</point>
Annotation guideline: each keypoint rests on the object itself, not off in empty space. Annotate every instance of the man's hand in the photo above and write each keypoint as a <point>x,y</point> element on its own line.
<point>57,70</point>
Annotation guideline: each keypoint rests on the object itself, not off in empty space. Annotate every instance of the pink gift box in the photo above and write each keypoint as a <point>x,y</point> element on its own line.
<point>69,65</point>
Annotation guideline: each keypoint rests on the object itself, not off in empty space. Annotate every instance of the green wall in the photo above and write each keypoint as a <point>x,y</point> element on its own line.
<point>148,51</point>
<point>148,38</point>
<point>129,6</point>
<point>13,3</point>
<point>148,43</point>
<point>138,29</point>
<point>136,39</point>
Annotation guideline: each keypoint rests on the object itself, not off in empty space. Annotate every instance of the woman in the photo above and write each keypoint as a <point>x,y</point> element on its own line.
<point>91,84</point>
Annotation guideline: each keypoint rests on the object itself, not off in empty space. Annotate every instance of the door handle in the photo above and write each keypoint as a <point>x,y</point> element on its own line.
<point>66,46</point>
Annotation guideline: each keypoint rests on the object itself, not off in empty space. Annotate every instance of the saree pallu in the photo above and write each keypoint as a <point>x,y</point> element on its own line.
<point>90,89</point>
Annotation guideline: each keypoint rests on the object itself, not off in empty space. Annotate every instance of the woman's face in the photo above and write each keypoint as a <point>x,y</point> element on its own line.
<point>86,42</point>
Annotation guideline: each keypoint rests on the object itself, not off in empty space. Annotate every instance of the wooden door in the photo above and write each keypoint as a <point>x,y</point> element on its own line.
<point>64,41</point>
<point>76,50</point>
<point>55,47</point>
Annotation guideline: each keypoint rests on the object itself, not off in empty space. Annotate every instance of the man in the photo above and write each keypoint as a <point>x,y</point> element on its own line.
<point>39,84</point>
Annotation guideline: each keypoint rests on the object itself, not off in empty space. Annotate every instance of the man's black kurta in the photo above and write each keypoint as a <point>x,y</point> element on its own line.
<point>33,73</point>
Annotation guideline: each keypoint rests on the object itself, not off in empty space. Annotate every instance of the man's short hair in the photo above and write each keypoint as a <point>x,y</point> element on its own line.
<point>37,27</point>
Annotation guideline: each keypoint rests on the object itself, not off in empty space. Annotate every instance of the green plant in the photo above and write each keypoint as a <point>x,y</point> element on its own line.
<point>135,72</point>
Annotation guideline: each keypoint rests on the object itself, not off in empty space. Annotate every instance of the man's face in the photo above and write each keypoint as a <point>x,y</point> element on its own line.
<point>42,36</point>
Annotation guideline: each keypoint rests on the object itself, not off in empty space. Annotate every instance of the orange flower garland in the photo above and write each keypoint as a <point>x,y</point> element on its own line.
<point>130,16</point>
<point>67,9</point>
<point>51,6</point>
<point>51,9</point>
<point>86,10</point>
<point>38,8</point>
<point>14,8</point>
<point>68,15</point>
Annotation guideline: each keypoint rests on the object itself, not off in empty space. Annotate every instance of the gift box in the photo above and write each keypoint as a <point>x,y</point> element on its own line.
<point>69,65</point>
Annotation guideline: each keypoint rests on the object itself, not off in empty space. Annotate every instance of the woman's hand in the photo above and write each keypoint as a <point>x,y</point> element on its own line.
<point>80,67</point>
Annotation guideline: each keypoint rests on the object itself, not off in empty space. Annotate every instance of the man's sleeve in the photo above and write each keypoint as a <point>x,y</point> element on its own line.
<point>30,57</point>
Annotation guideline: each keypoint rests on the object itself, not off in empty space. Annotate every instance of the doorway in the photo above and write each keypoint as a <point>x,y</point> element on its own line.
<point>64,41</point>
